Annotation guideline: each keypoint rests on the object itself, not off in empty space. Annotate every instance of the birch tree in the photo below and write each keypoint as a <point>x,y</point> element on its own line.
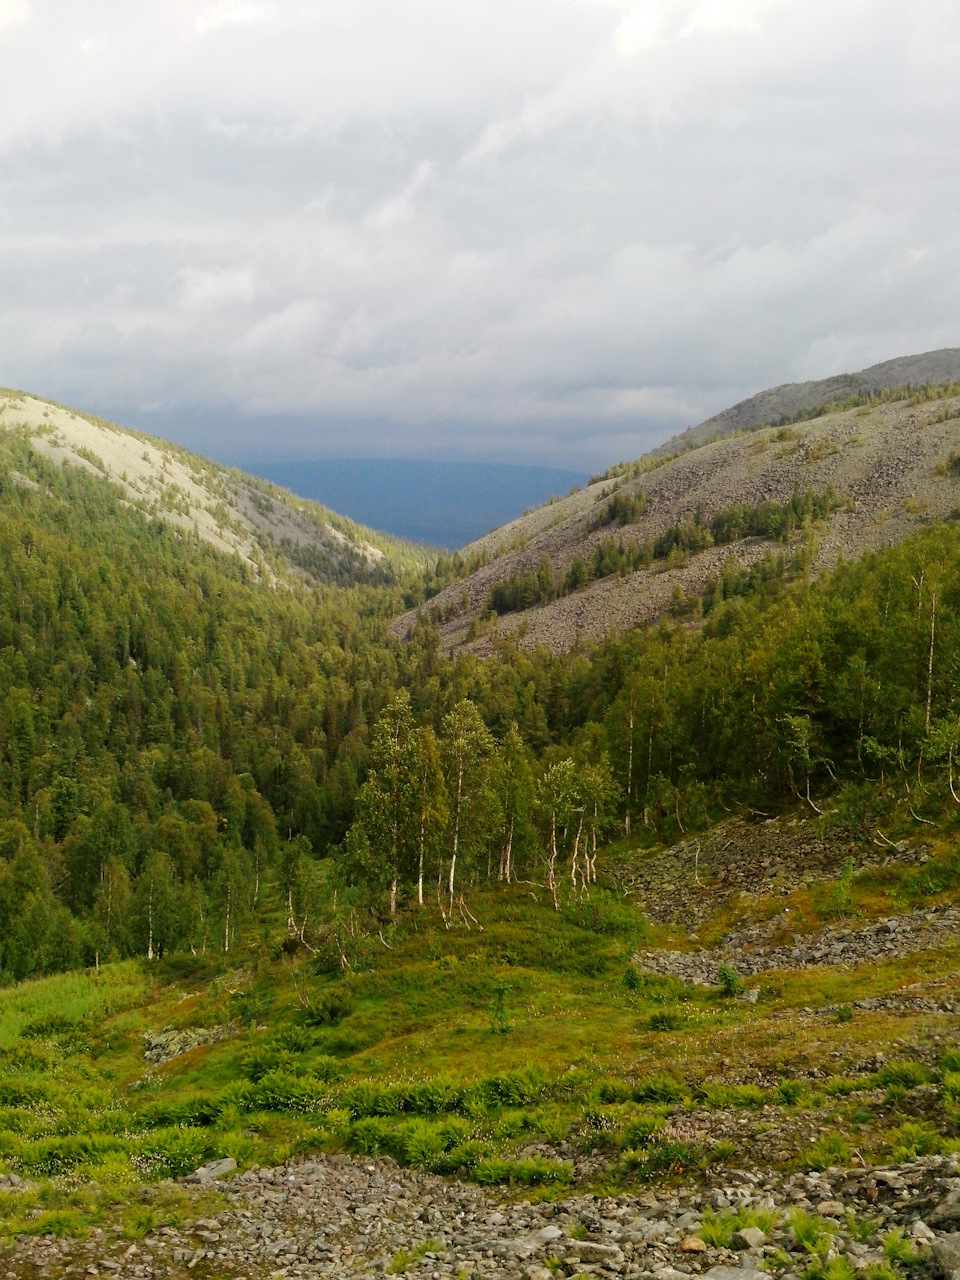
<point>467,750</point>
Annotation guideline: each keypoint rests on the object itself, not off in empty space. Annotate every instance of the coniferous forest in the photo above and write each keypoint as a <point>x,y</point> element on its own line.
<point>175,733</point>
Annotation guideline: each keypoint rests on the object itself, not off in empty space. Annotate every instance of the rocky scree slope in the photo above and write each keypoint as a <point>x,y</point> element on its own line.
<point>271,530</point>
<point>335,1217</point>
<point>889,465</point>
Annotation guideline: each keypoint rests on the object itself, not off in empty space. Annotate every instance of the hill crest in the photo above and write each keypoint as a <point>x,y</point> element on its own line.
<point>272,531</point>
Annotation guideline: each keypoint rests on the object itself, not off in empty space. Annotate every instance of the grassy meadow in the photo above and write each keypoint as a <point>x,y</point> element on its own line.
<point>526,1050</point>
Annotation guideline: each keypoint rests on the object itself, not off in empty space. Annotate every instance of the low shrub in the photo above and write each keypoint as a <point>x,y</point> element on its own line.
<point>172,1153</point>
<point>791,1092</point>
<point>47,1157</point>
<point>716,1095</point>
<point>524,1173</point>
<point>661,1088</point>
<point>903,1073</point>
<point>830,1149</point>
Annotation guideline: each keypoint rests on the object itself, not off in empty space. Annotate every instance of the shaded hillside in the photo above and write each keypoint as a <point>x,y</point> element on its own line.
<point>873,473</point>
<point>267,527</point>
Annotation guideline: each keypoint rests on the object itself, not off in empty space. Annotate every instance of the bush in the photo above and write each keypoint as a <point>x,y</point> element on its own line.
<point>51,1156</point>
<point>830,1149</point>
<point>525,1173</point>
<point>903,1073</point>
<point>728,980</point>
<point>667,1158</point>
<point>808,1231</point>
<point>278,1091</point>
<point>327,1008</point>
<point>172,1153</point>
<point>791,1092</point>
<point>641,1130</point>
<point>197,1111</point>
<point>658,1089</point>
<point>665,1020</point>
<point>730,1095</point>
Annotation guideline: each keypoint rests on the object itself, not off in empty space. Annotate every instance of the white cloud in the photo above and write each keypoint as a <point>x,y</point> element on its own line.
<point>230,14</point>
<point>204,290</point>
<point>559,228</point>
<point>13,13</point>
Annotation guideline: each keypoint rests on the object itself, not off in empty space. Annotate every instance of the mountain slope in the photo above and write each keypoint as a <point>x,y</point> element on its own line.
<point>792,400</point>
<point>878,470</point>
<point>266,526</point>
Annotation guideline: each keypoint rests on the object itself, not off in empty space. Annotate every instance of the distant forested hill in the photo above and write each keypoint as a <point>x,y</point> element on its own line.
<point>441,504</point>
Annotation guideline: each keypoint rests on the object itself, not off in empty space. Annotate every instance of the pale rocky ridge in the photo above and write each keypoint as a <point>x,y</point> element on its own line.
<point>234,513</point>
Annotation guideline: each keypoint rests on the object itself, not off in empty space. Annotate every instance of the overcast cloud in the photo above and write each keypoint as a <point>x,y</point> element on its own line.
<point>545,230</point>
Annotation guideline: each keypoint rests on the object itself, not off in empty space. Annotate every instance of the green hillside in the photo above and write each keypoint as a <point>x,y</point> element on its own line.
<point>391,901</point>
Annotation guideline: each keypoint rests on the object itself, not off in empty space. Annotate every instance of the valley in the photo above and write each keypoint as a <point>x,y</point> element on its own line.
<point>352,926</point>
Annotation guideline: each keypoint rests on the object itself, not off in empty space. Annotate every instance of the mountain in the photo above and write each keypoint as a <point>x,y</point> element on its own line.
<point>441,504</point>
<point>660,533</point>
<point>327,951</point>
<point>792,401</point>
<point>269,529</point>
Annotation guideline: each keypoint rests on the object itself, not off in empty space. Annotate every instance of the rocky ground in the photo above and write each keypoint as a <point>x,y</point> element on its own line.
<point>338,1216</point>
<point>690,880</point>
<point>748,951</point>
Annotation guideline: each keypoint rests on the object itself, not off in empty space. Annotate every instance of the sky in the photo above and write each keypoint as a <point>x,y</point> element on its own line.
<point>550,231</point>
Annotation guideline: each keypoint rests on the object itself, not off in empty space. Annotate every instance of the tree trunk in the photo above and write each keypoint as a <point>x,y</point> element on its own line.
<point>507,855</point>
<point>551,865</point>
<point>420,871</point>
<point>933,625</point>
<point>456,832</point>
<point>150,924</point>
<point>393,898</point>
<point>629,774</point>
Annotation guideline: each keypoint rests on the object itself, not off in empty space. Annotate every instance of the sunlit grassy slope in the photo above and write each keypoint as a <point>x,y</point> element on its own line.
<point>526,1049</point>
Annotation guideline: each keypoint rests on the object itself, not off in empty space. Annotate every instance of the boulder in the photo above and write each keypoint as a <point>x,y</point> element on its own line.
<point>692,1244</point>
<point>946,1251</point>
<point>211,1172</point>
<point>947,1212</point>
<point>593,1251</point>
<point>748,1238</point>
<point>733,1273</point>
<point>830,1209</point>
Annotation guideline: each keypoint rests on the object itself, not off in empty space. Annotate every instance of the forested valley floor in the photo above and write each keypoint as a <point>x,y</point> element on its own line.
<point>633,921</point>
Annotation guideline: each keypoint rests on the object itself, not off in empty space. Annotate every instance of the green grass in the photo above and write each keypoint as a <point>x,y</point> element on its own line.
<point>399,1057</point>
<point>71,999</point>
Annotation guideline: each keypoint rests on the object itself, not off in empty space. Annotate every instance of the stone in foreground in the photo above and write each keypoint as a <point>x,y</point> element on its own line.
<point>212,1171</point>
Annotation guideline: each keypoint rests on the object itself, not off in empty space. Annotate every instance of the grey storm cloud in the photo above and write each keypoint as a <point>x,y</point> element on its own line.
<point>551,230</point>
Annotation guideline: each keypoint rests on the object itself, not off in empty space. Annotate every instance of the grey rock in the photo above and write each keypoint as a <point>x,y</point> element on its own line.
<point>947,1212</point>
<point>593,1251</point>
<point>164,1046</point>
<point>946,1251</point>
<point>211,1172</point>
<point>732,1273</point>
<point>748,1238</point>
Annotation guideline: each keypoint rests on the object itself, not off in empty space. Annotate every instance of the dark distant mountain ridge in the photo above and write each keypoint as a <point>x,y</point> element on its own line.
<point>793,400</point>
